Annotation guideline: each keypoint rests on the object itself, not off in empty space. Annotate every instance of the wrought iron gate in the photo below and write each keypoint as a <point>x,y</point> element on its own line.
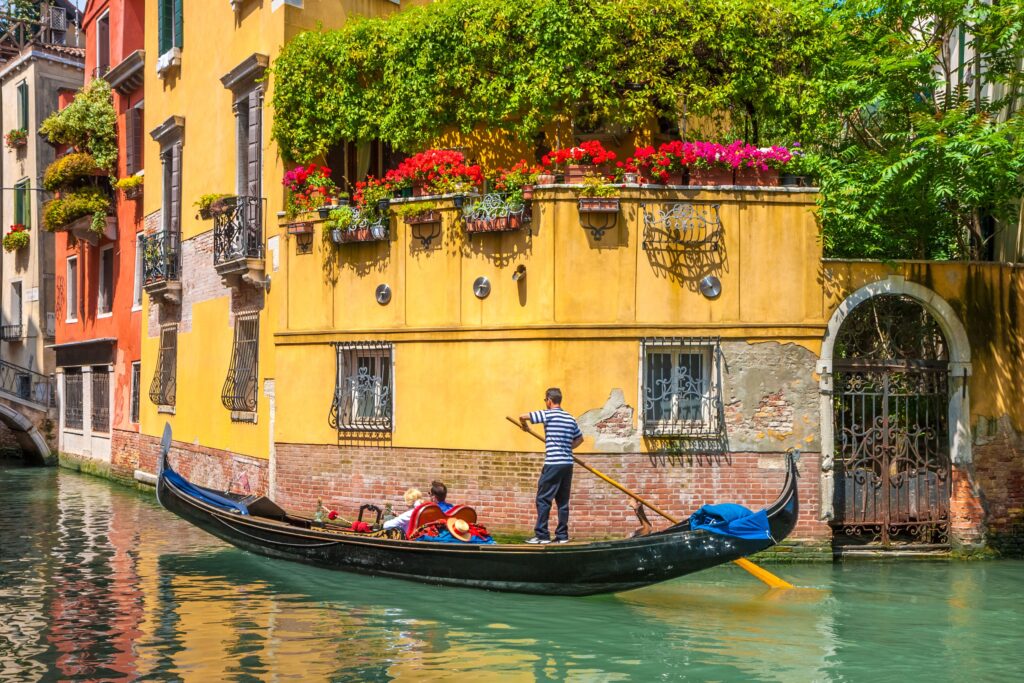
<point>892,466</point>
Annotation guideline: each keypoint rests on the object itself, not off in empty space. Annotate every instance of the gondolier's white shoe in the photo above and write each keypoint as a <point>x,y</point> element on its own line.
<point>561,540</point>
<point>538,541</point>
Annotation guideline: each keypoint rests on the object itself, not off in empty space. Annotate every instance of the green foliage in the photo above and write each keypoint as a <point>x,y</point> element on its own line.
<point>69,170</point>
<point>595,185</point>
<point>517,65</point>
<point>205,201</point>
<point>89,124</point>
<point>913,160</point>
<point>58,213</point>
<point>130,183</point>
<point>339,219</point>
<point>15,240</point>
<point>413,208</point>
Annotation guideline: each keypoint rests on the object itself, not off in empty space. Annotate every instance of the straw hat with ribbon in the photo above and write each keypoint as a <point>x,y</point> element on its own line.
<point>459,528</point>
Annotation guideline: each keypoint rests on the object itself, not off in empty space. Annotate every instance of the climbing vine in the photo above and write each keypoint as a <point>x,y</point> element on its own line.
<point>518,65</point>
<point>89,124</point>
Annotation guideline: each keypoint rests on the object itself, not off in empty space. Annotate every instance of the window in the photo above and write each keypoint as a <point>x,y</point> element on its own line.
<point>239,394</point>
<point>171,207</point>
<point>248,142</point>
<point>103,45</point>
<point>105,292</point>
<point>162,389</point>
<point>101,398</point>
<point>169,29</point>
<point>134,125</point>
<point>23,105</point>
<point>136,380</point>
<point>363,396</point>
<point>73,398</point>
<point>23,203</point>
<point>72,289</point>
<point>16,304</point>
<point>139,256</point>
<point>681,387</point>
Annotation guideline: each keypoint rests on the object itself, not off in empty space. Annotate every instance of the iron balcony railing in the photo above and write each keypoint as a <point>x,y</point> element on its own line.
<point>25,384</point>
<point>10,332</point>
<point>238,229</point>
<point>160,257</point>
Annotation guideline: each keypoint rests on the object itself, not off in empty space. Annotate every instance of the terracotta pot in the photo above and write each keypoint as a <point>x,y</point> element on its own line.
<point>757,177</point>
<point>420,188</point>
<point>432,216</point>
<point>357,235</point>
<point>574,173</point>
<point>546,179</point>
<point>674,178</point>
<point>527,192</point>
<point>599,204</point>
<point>711,177</point>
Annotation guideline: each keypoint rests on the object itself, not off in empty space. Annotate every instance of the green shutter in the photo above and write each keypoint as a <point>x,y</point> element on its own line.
<point>22,212</point>
<point>177,22</point>
<point>166,25</point>
<point>23,105</point>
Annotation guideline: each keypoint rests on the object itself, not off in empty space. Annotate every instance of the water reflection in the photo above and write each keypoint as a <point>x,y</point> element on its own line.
<point>96,582</point>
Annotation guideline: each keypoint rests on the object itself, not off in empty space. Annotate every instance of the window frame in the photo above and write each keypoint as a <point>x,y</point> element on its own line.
<point>71,302</point>
<point>707,388</point>
<point>162,389</point>
<point>102,69</point>
<point>102,295</point>
<point>244,364</point>
<point>23,202</point>
<point>67,414</point>
<point>99,411</point>
<point>23,104</point>
<point>135,400</point>
<point>345,406</point>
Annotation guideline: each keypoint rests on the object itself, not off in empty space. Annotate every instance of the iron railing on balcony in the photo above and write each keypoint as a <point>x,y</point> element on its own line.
<point>25,384</point>
<point>238,229</point>
<point>160,258</point>
<point>10,332</point>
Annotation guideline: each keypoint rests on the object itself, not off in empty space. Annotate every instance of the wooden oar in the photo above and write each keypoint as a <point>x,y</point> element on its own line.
<point>759,572</point>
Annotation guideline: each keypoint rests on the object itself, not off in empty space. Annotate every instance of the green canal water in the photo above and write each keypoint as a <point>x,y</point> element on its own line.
<point>98,583</point>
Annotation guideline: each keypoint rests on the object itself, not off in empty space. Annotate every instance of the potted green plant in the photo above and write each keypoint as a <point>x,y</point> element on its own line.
<point>210,205</point>
<point>15,138</point>
<point>597,195</point>
<point>339,221</point>
<point>417,213</point>
<point>131,186</point>
<point>17,238</point>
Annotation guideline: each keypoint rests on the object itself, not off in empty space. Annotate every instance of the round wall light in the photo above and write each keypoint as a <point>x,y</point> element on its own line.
<point>710,286</point>
<point>383,294</point>
<point>481,287</point>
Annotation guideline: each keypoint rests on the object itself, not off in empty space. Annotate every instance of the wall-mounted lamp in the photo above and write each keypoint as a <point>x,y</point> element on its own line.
<point>383,294</point>
<point>519,274</point>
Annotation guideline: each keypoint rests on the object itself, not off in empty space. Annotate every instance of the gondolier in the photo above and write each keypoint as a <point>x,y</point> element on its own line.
<point>561,435</point>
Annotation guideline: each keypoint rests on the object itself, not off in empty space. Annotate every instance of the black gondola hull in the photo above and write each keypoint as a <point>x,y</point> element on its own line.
<point>570,569</point>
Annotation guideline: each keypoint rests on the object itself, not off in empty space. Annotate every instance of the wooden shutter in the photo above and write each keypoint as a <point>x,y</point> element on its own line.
<point>165,30</point>
<point>254,156</point>
<point>175,224</point>
<point>131,141</point>
<point>178,10</point>
<point>19,204</point>
<point>140,123</point>
<point>23,105</point>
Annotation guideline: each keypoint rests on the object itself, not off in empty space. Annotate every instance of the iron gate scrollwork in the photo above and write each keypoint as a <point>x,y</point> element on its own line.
<point>890,401</point>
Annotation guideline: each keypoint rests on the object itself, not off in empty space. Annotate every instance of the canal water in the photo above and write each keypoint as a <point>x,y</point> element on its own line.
<point>98,583</point>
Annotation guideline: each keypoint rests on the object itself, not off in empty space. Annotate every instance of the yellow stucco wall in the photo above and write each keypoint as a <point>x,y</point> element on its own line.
<point>575,321</point>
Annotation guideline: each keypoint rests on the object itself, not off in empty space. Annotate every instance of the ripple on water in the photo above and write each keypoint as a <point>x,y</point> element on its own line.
<point>97,582</point>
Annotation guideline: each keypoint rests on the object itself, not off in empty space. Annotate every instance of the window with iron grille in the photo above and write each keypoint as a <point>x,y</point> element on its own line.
<point>100,398</point>
<point>73,398</point>
<point>239,392</point>
<point>162,388</point>
<point>681,387</point>
<point>363,389</point>
<point>136,390</point>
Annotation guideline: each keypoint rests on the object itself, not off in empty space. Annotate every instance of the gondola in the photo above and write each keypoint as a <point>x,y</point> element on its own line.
<point>569,569</point>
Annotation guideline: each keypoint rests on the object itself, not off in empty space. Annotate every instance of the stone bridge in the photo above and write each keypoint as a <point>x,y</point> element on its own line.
<point>28,409</point>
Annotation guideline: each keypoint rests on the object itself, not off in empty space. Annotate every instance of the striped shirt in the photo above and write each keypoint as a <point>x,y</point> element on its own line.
<point>560,429</point>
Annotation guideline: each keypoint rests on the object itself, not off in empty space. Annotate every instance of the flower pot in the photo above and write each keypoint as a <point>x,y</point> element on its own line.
<point>459,200</point>
<point>379,231</point>
<point>336,235</point>
<point>301,228</point>
<point>355,235</point>
<point>420,188</point>
<point>325,211</point>
<point>790,180</point>
<point>432,216</point>
<point>631,178</point>
<point>497,224</point>
<point>599,204</point>
<point>756,177</point>
<point>546,179</point>
<point>527,192</point>
<point>575,173</point>
<point>403,193</point>
<point>383,205</point>
<point>711,177</point>
<point>133,192</point>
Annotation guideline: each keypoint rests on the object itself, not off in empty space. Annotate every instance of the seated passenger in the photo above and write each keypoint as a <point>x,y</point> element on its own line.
<point>438,492</point>
<point>413,498</point>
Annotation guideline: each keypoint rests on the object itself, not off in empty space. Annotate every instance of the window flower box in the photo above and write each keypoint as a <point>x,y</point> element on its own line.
<point>711,177</point>
<point>424,217</point>
<point>757,177</point>
<point>599,204</point>
<point>496,212</point>
<point>16,138</point>
<point>300,228</point>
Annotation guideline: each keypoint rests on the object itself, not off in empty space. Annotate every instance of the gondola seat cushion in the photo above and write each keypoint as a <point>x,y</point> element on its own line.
<point>730,519</point>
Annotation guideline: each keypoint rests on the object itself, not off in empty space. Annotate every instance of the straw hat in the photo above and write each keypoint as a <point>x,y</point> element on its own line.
<point>459,528</point>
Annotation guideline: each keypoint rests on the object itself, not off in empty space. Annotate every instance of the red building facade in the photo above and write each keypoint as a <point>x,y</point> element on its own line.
<point>98,280</point>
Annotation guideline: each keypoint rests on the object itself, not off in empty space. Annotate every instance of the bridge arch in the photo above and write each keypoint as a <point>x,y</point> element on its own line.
<point>29,438</point>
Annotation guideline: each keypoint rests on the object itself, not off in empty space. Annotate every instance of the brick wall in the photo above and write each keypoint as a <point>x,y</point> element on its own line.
<point>210,467</point>
<point>998,472</point>
<point>501,486</point>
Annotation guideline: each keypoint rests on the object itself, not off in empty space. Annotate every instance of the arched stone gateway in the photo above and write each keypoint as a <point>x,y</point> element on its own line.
<point>894,416</point>
<point>37,451</point>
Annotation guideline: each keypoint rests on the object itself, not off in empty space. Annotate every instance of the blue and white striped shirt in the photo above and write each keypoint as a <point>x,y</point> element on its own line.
<point>560,429</point>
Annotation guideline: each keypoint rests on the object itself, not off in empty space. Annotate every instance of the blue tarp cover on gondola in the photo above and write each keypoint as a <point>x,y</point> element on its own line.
<point>202,494</point>
<point>734,520</point>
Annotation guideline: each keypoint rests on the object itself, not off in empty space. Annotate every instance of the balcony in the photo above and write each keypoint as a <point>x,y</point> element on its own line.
<point>161,258</point>
<point>238,241</point>
<point>10,333</point>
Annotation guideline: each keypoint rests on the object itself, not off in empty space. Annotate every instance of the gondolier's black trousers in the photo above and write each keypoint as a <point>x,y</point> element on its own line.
<point>555,484</point>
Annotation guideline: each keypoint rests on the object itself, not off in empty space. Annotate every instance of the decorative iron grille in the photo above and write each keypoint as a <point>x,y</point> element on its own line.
<point>136,390</point>
<point>363,390</point>
<point>160,258</point>
<point>496,212</point>
<point>681,224</point>
<point>682,387</point>
<point>73,398</point>
<point>239,391</point>
<point>100,398</point>
<point>162,388</point>
<point>10,332</point>
<point>238,229</point>
<point>26,385</point>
